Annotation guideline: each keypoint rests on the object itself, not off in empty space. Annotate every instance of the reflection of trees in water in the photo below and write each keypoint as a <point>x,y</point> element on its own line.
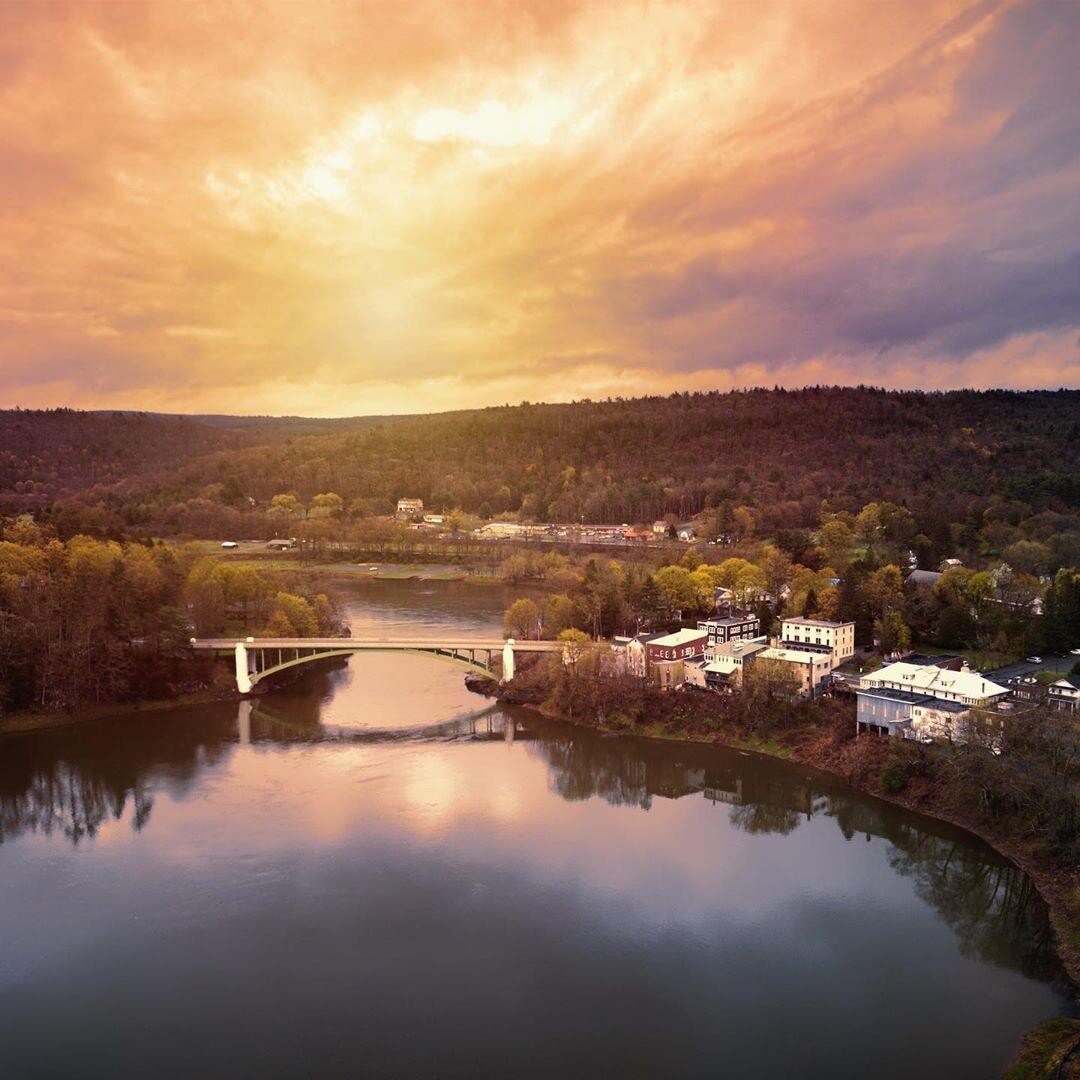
<point>764,818</point>
<point>627,772</point>
<point>65,798</point>
<point>992,907</point>
<point>71,782</point>
<point>582,768</point>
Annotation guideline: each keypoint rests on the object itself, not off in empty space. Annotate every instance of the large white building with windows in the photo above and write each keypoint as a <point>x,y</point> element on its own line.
<point>836,636</point>
<point>965,686</point>
<point>923,702</point>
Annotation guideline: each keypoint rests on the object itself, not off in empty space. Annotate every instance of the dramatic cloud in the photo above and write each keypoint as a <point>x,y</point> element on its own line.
<point>368,207</point>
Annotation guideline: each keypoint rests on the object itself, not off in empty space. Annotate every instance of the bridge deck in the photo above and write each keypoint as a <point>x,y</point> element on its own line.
<point>357,644</point>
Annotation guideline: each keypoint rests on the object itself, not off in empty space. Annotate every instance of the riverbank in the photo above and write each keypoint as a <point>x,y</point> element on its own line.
<point>365,571</point>
<point>18,723</point>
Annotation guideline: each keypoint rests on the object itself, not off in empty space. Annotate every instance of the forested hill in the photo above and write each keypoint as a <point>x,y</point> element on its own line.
<point>781,452</point>
<point>53,454</point>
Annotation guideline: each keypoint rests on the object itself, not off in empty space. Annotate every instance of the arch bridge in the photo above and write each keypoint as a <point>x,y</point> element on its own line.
<point>257,658</point>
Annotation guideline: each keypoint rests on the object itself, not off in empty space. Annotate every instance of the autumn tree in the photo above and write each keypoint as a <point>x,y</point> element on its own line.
<point>522,619</point>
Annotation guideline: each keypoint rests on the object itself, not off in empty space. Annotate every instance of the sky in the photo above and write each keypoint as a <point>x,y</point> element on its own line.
<point>338,209</point>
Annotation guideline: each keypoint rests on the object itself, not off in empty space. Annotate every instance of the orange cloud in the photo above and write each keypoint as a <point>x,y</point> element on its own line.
<point>348,208</point>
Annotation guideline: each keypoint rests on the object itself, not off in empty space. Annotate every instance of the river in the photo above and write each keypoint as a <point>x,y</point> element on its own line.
<point>375,873</point>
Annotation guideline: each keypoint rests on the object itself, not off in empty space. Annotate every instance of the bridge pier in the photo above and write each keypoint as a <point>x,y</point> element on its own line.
<point>508,660</point>
<point>244,722</point>
<point>243,674</point>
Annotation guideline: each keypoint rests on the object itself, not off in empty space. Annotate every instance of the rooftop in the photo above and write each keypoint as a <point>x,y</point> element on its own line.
<point>728,620</point>
<point>680,637</point>
<point>791,656</point>
<point>895,695</point>
<point>934,680</point>
<point>944,706</point>
<point>800,620</point>
<point>923,577</point>
<point>738,648</point>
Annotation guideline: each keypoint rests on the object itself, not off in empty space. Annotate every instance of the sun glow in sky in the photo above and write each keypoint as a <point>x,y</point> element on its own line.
<point>337,209</point>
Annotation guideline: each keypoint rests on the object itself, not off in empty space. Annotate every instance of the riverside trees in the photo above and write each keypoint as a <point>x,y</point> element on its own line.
<point>88,621</point>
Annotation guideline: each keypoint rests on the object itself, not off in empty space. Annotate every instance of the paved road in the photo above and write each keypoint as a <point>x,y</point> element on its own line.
<point>1049,663</point>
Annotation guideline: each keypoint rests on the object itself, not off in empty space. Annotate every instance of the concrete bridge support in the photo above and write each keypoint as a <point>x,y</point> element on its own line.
<point>243,672</point>
<point>243,721</point>
<point>508,660</point>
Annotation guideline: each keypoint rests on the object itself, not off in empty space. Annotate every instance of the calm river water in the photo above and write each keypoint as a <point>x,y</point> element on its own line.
<point>376,874</point>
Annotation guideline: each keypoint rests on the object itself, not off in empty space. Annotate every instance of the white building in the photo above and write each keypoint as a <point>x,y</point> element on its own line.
<point>927,703</point>
<point>1065,692</point>
<point>410,507</point>
<point>839,637</point>
<point>694,673</point>
<point>965,686</point>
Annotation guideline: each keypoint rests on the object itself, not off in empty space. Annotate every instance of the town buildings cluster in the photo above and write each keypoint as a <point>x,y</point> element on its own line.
<point>412,510</point>
<point>926,698</point>
<point>717,653</point>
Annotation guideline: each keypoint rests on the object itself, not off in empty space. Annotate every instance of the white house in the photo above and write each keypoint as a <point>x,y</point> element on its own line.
<point>965,686</point>
<point>927,703</point>
<point>1065,692</point>
<point>407,508</point>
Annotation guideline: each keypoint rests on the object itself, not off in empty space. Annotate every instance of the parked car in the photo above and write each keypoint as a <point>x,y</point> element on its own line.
<point>1074,652</point>
<point>1034,659</point>
<point>229,544</point>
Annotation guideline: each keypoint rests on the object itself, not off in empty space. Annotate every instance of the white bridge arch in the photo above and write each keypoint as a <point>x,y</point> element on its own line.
<point>256,658</point>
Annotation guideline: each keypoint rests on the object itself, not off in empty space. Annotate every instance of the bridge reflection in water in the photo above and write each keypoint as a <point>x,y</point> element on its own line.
<point>276,723</point>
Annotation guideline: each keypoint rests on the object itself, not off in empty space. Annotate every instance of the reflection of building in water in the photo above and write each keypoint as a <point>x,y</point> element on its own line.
<point>733,787</point>
<point>717,791</point>
<point>673,779</point>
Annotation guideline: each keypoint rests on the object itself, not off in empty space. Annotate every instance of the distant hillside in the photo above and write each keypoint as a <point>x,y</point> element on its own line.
<point>948,457</point>
<point>633,460</point>
<point>56,453</point>
<point>293,425</point>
